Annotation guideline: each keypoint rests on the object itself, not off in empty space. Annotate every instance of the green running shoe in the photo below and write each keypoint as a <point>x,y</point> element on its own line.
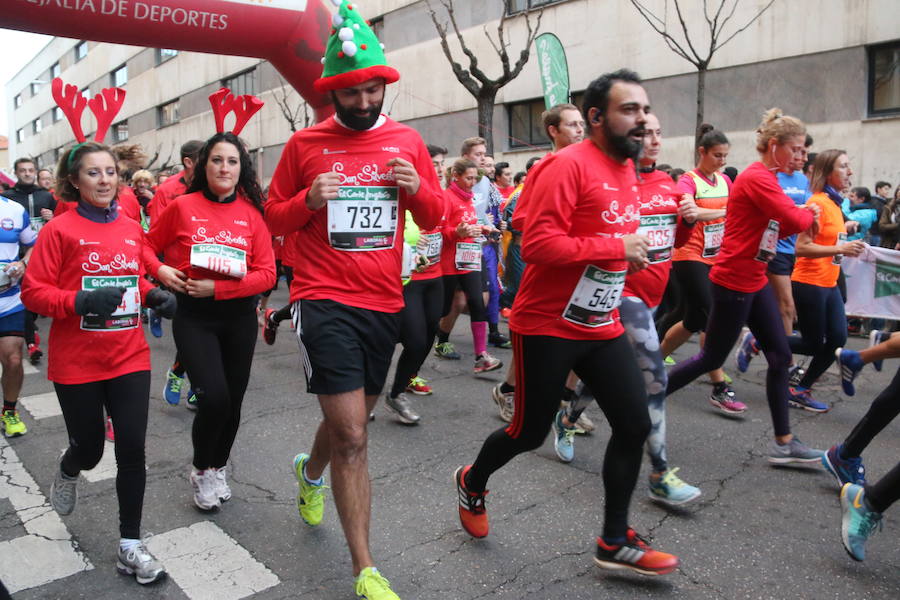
<point>372,585</point>
<point>446,350</point>
<point>13,425</point>
<point>310,497</point>
<point>669,361</point>
<point>858,522</point>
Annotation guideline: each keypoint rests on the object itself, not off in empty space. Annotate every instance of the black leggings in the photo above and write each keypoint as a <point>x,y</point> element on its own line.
<point>884,409</point>
<point>125,400</point>
<point>30,327</point>
<point>730,310</point>
<point>610,370</point>
<point>823,327</point>
<point>217,351</point>
<point>696,296</point>
<point>418,326</point>
<point>471,285</point>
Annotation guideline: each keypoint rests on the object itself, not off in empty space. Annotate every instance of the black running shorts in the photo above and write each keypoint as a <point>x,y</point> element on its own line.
<point>782,264</point>
<point>344,348</point>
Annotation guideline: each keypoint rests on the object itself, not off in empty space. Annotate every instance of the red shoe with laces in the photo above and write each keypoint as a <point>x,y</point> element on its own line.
<point>472,514</point>
<point>635,554</point>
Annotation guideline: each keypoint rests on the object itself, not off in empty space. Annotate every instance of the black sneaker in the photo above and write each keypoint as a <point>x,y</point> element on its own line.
<point>498,340</point>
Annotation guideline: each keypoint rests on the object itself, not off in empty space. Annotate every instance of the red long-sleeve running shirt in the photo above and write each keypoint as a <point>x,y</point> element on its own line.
<point>194,229</point>
<point>72,254</point>
<point>350,250</point>
<point>579,204</point>
<point>758,212</point>
<point>459,210</point>
<point>665,229</point>
<point>170,189</point>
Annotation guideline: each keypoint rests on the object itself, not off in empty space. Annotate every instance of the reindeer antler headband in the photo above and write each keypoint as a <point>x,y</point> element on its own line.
<point>105,106</point>
<point>244,107</point>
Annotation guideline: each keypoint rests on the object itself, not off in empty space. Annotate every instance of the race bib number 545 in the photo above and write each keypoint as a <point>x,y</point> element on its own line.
<point>363,218</point>
<point>597,294</point>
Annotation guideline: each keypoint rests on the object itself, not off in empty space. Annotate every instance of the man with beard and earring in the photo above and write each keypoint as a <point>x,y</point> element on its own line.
<point>341,191</point>
<point>566,314</point>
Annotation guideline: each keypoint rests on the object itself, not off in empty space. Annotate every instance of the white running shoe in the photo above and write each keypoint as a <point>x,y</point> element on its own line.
<point>222,490</point>
<point>205,493</point>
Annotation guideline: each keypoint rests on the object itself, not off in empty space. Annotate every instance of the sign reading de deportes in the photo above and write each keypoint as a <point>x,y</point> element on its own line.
<point>143,11</point>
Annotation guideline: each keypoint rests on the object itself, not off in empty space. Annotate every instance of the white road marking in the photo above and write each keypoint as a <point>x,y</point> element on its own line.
<point>106,468</point>
<point>42,406</point>
<point>29,368</point>
<point>207,563</point>
<point>48,552</point>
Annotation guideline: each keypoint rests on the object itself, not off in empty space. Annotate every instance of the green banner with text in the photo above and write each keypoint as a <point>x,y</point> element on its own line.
<point>554,69</point>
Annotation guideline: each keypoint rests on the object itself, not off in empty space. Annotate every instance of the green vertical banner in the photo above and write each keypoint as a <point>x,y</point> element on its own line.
<point>554,69</point>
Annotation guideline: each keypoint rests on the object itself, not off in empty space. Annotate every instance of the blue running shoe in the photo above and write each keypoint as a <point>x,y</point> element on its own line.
<point>845,470</point>
<point>746,351</point>
<point>799,397</point>
<point>876,337</point>
<point>172,391</point>
<point>155,324</point>
<point>563,438</point>
<point>858,521</point>
<point>671,490</point>
<point>850,364</point>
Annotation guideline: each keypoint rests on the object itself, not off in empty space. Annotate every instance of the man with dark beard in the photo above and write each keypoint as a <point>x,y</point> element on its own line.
<point>582,210</point>
<point>340,194</point>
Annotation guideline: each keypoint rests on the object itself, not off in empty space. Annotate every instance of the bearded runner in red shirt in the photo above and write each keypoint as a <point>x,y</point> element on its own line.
<point>344,186</point>
<point>758,213</point>
<point>579,240</point>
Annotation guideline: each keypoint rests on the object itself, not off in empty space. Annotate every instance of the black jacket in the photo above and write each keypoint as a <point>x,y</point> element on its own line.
<point>40,198</point>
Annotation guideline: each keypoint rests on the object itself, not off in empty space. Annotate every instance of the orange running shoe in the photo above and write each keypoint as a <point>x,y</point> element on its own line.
<point>472,514</point>
<point>634,554</point>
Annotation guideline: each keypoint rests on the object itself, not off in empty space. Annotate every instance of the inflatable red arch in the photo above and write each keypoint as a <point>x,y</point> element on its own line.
<point>290,34</point>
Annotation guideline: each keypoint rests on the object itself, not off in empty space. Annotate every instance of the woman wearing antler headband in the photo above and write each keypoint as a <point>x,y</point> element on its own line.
<point>87,273</point>
<point>218,257</point>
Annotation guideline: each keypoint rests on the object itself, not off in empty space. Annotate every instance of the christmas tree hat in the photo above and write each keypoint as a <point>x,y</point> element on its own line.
<point>353,54</point>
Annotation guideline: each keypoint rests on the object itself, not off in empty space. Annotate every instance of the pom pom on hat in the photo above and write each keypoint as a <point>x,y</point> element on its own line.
<point>353,53</point>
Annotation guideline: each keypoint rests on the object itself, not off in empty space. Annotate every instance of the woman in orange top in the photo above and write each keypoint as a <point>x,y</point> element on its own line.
<point>820,309</point>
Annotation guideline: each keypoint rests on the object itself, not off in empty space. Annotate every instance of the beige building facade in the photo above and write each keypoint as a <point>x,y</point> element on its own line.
<point>833,63</point>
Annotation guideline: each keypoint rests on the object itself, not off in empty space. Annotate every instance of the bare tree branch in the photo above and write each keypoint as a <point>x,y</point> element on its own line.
<point>749,23</point>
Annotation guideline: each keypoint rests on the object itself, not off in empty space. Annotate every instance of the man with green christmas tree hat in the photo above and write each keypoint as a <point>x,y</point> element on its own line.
<point>343,187</point>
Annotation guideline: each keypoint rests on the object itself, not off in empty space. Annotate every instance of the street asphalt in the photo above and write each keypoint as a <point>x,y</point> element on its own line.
<point>755,532</point>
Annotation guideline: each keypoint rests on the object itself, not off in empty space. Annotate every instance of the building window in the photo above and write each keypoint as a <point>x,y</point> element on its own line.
<point>242,83</point>
<point>517,6</point>
<point>18,100</point>
<point>120,131</point>
<point>86,92</point>
<point>525,127</point>
<point>167,114</point>
<point>57,114</point>
<point>36,126</point>
<point>55,70</point>
<point>81,50</point>
<point>884,79</point>
<point>57,152</point>
<point>164,54</point>
<point>34,86</point>
<point>20,135</point>
<point>119,77</point>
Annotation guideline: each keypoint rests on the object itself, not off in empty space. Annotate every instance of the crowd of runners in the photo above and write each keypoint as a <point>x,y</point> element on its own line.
<point>602,261</point>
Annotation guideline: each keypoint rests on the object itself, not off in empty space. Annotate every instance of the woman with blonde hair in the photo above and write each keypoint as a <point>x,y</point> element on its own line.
<point>759,213</point>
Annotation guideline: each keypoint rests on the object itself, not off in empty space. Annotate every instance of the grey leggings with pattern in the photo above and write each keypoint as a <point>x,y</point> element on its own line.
<point>638,322</point>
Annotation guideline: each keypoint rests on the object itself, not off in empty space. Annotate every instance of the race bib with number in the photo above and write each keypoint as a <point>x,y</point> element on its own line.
<point>842,239</point>
<point>221,259</point>
<point>363,218</point>
<point>768,242</point>
<point>126,316</point>
<point>660,230</point>
<point>468,256</point>
<point>712,239</point>
<point>429,246</point>
<point>597,294</point>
